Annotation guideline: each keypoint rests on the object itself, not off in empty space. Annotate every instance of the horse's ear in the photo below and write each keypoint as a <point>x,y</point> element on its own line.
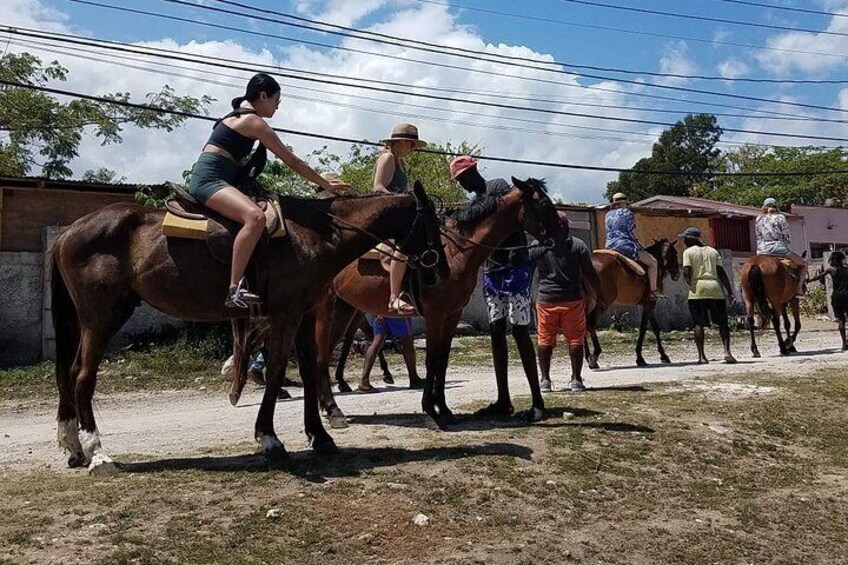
<point>418,191</point>
<point>520,184</point>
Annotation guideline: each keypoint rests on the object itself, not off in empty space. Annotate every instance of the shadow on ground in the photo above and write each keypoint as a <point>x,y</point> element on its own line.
<point>314,468</point>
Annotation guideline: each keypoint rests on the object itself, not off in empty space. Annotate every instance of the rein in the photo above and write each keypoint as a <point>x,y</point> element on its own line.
<point>412,260</point>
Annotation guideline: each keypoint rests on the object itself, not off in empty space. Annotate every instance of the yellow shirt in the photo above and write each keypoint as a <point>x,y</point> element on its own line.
<point>704,262</point>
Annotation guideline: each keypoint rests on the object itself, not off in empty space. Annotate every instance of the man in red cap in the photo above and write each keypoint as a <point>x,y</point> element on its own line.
<point>507,277</point>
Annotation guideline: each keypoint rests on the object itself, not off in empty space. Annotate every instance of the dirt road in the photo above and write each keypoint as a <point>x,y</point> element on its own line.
<point>182,423</point>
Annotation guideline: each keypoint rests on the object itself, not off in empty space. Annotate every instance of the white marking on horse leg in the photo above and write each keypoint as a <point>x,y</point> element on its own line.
<point>68,436</point>
<point>269,443</point>
<point>101,464</point>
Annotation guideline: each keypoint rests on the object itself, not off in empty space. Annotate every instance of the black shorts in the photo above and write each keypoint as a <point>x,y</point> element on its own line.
<point>704,310</point>
<point>840,307</point>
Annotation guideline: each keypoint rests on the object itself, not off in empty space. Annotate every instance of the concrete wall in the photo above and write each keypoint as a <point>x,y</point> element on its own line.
<point>649,228</point>
<point>824,225</point>
<point>20,308</point>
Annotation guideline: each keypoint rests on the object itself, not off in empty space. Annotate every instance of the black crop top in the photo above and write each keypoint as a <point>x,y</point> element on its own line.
<point>231,141</point>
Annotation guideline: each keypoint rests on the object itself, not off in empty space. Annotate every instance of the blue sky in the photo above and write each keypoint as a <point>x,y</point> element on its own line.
<point>501,131</point>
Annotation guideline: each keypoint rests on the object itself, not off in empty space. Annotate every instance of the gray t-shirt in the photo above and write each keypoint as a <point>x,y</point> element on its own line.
<point>561,269</point>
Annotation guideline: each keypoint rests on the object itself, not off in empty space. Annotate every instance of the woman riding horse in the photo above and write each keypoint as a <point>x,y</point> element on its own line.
<point>228,149</point>
<point>620,224</point>
<point>773,238</point>
<point>390,176</point>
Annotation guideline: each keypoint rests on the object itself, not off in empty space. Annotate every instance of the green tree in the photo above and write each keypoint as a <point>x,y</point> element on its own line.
<point>810,190</point>
<point>357,168</point>
<point>44,134</point>
<point>688,147</point>
<point>103,175</point>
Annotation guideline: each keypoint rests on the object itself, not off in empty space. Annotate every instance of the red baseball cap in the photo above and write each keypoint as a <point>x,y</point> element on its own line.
<point>461,164</point>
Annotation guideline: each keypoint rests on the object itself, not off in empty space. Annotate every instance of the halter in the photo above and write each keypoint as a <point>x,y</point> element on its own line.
<point>530,207</point>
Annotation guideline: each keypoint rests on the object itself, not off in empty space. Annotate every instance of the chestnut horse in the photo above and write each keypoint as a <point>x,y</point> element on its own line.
<point>768,286</point>
<point>469,238</point>
<point>109,261</point>
<point>622,286</point>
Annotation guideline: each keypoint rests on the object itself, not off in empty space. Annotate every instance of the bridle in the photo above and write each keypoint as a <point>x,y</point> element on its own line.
<point>530,208</point>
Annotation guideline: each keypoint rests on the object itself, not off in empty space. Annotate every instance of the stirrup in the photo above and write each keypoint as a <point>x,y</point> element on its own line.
<point>239,297</point>
<point>402,305</point>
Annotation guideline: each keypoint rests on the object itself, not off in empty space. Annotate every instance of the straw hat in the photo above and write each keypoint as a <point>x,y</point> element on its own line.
<point>405,132</point>
<point>619,196</point>
<point>331,177</point>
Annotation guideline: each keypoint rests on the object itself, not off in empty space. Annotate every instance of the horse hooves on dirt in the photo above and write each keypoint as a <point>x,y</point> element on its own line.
<point>792,349</point>
<point>641,363</point>
<point>447,419</point>
<point>495,410</point>
<point>325,447</point>
<point>344,387</point>
<point>338,421</point>
<point>756,355</point>
<point>101,466</point>
<point>234,397</point>
<point>283,394</point>
<point>432,423</point>
<point>665,360</point>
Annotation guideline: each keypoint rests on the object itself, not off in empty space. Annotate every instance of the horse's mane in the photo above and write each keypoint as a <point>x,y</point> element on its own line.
<point>483,206</point>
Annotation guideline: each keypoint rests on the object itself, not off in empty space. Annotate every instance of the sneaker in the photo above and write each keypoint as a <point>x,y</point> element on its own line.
<point>239,297</point>
<point>576,386</point>
<point>545,386</point>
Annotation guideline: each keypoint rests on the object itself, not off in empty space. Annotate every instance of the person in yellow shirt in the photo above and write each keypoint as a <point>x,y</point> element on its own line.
<point>709,288</point>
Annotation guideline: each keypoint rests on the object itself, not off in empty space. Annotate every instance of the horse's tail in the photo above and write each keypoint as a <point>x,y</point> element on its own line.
<point>758,291</point>
<point>65,325</point>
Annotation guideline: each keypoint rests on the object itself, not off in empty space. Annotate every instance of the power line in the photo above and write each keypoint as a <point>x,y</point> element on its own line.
<point>383,111</point>
<point>704,18</point>
<point>785,8</point>
<point>441,48</point>
<point>453,4</point>
<point>531,109</point>
<point>192,115</point>
<point>641,84</point>
<point>423,62</point>
<point>501,95</point>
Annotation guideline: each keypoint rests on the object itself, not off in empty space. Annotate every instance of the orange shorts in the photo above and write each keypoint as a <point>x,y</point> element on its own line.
<point>568,317</point>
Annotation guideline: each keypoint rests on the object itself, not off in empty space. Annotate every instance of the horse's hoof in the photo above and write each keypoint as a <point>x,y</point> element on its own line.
<point>337,420</point>
<point>594,366</point>
<point>272,449</point>
<point>283,394</point>
<point>102,466</point>
<point>756,355</point>
<point>793,350</point>
<point>344,387</point>
<point>665,360</point>
<point>448,419</point>
<point>641,363</point>
<point>325,447</point>
<point>234,398</point>
<point>76,460</point>
<point>432,423</point>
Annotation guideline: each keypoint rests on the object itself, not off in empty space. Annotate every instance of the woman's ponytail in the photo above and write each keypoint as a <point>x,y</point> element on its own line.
<point>237,102</point>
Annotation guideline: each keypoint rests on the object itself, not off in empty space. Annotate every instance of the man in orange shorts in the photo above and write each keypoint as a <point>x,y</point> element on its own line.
<point>561,306</point>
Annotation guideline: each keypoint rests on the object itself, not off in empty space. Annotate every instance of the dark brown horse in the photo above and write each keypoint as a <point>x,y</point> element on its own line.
<point>469,239</point>
<point>623,286</point>
<point>768,287</point>
<point>106,263</point>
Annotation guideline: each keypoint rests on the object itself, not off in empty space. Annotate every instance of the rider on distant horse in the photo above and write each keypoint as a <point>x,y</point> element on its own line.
<point>225,153</point>
<point>773,238</point>
<point>620,224</point>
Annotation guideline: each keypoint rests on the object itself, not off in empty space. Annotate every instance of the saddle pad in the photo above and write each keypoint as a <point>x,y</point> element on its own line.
<point>627,261</point>
<point>197,227</point>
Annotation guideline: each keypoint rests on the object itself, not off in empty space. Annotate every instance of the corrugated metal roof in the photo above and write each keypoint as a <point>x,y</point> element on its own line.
<point>692,202</point>
<point>76,185</point>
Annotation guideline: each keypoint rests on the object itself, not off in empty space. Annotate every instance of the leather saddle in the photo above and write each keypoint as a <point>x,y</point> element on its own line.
<point>186,218</point>
<point>791,266</point>
<point>626,262</point>
<point>382,254</point>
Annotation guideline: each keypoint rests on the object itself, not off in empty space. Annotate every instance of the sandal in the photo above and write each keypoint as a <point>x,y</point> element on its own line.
<point>402,306</point>
<point>239,297</point>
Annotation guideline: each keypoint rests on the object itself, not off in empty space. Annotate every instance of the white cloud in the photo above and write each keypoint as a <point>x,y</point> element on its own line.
<point>155,156</point>
<point>733,68</point>
<point>340,12</point>
<point>676,60</point>
<point>783,63</point>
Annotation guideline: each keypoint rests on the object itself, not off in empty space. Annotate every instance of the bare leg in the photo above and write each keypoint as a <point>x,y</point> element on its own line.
<point>411,361</point>
<point>371,356</point>
<point>651,264</point>
<point>699,344</point>
<point>724,332</point>
<point>575,354</point>
<point>521,334</point>
<point>238,207</point>
<point>397,270</point>
<point>545,353</point>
